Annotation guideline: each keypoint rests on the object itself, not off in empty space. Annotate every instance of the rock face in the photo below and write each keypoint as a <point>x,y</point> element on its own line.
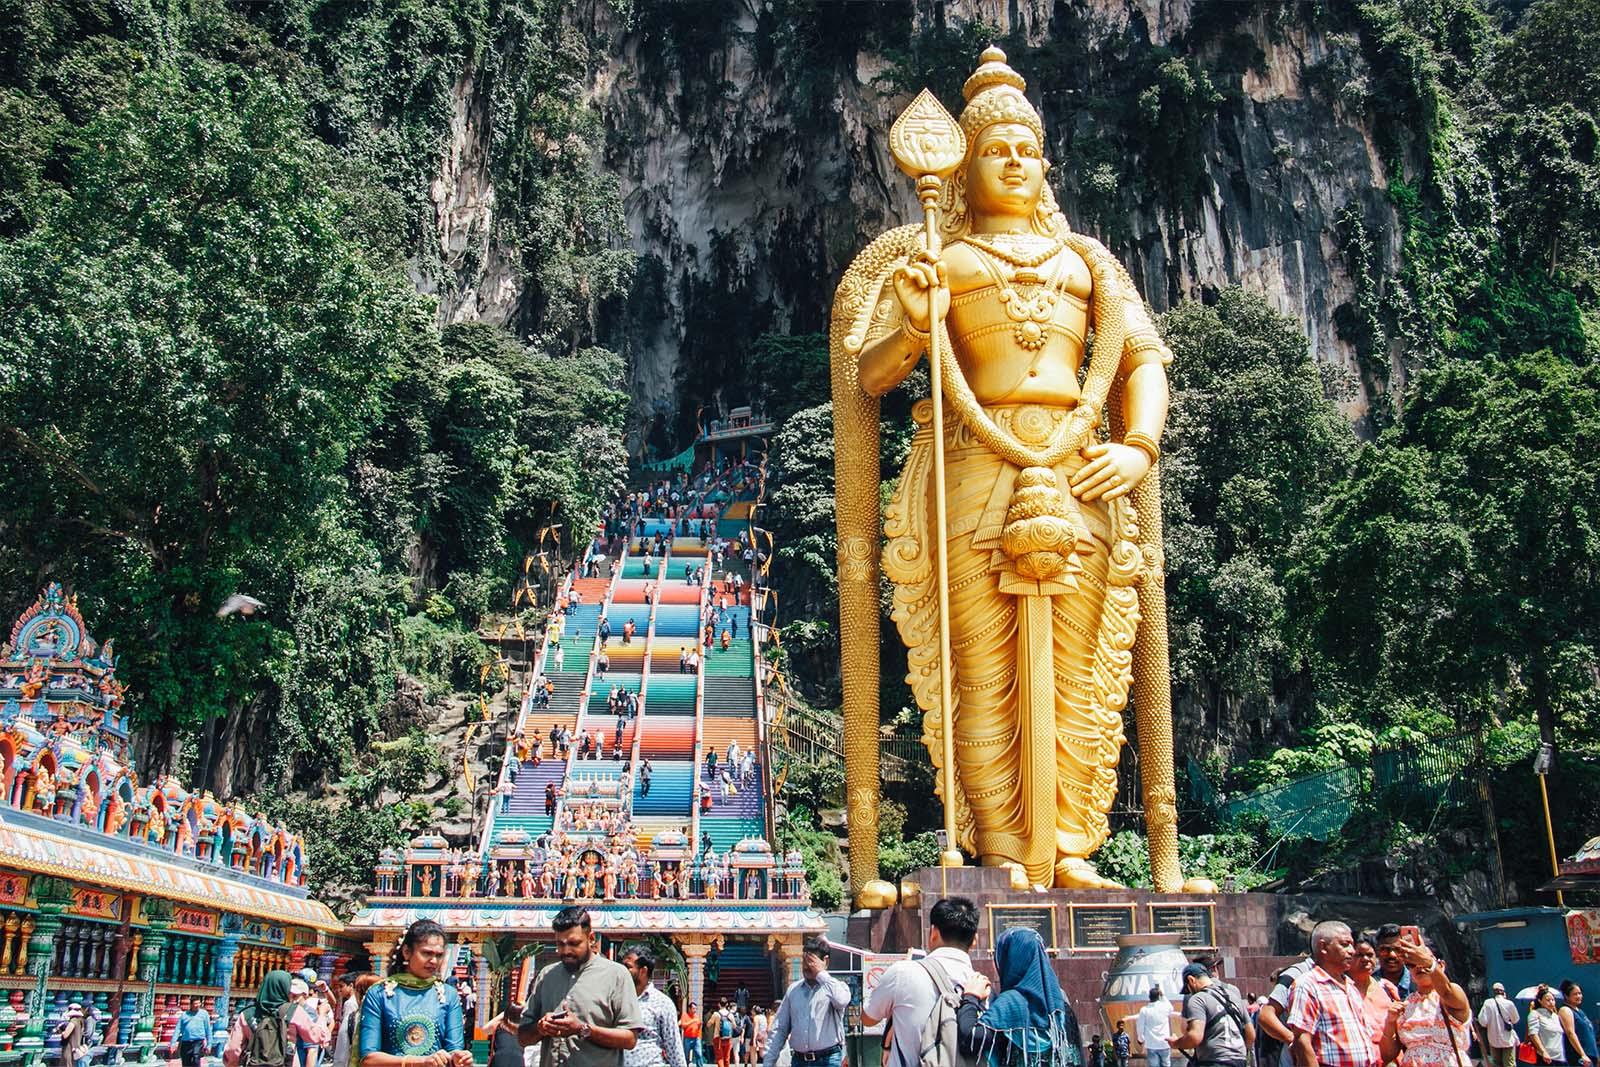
<point>471,273</point>
<point>749,140</point>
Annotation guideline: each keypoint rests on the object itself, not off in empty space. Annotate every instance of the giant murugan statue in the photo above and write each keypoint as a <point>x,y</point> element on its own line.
<point>1047,512</point>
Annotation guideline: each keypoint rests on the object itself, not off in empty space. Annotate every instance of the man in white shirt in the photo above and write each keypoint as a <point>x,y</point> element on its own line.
<point>906,993</point>
<point>1154,1030</point>
<point>1498,1021</point>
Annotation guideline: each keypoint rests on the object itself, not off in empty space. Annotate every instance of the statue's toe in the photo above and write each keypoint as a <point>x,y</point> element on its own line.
<point>1075,873</point>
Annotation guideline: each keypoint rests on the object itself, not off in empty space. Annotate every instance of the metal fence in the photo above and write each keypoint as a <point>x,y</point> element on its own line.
<point>1416,782</point>
<point>811,736</point>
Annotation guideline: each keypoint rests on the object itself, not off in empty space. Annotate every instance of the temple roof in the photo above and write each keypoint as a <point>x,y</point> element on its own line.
<point>619,918</point>
<point>39,851</point>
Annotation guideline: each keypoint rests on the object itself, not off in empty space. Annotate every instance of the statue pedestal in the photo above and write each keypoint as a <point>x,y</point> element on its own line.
<point>1236,933</point>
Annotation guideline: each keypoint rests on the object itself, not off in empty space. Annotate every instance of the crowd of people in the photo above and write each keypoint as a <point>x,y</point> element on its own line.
<point>1371,999</point>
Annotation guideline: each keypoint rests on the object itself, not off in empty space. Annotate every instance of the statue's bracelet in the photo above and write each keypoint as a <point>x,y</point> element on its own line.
<point>1144,443</point>
<point>918,336</point>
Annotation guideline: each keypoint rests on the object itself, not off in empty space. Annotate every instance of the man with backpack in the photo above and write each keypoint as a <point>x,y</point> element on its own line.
<point>1216,1021</point>
<point>920,997</point>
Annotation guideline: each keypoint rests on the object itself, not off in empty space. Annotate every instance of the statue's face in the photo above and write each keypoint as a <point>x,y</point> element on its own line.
<point>1005,173</point>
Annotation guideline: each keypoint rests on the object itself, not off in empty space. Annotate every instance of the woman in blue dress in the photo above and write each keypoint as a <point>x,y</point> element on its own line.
<point>413,1017</point>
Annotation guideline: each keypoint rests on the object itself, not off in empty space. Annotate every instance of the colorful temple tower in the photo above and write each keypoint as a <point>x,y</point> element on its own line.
<point>120,895</point>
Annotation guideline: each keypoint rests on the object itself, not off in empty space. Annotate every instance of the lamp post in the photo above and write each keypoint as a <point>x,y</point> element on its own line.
<point>1542,764</point>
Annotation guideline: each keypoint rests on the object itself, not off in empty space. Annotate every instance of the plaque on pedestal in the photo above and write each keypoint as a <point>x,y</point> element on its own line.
<point>1193,923</point>
<point>1096,927</point>
<point>1040,918</point>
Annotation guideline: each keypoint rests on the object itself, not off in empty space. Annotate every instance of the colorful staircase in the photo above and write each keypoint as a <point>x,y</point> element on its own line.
<point>744,963</point>
<point>681,716</point>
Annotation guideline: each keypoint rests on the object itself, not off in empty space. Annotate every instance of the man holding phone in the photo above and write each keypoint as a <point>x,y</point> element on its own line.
<point>1391,962</point>
<point>582,1009</point>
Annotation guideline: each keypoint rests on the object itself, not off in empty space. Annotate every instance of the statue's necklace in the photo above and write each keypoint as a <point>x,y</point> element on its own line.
<point>1018,257</point>
<point>1035,306</point>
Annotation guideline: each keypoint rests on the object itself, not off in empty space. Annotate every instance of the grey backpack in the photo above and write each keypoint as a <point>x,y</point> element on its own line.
<point>939,1044</point>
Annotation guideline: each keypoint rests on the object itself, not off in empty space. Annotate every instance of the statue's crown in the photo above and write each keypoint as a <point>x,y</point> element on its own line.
<point>994,93</point>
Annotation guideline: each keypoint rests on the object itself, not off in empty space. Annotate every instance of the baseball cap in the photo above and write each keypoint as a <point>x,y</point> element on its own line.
<point>308,976</point>
<point>1196,970</point>
<point>1498,987</point>
<point>298,987</point>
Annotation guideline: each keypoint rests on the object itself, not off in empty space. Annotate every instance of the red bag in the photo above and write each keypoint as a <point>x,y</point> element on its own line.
<point>1526,1053</point>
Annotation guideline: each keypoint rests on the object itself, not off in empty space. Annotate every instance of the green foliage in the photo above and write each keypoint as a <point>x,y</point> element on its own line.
<point>814,786</point>
<point>1226,857</point>
<point>344,841</point>
<point>1252,445</point>
<point>1429,575</point>
<point>216,375</point>
<point>192,349</point>
<point>445,657</point>
<point>824,863</point>
<point>399,768</point>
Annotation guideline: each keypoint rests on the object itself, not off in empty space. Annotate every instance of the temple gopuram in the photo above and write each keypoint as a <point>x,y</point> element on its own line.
<point>123,896</point>
<point>637,774</point>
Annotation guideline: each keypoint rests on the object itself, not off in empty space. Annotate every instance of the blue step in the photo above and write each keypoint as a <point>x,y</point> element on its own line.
<point>671,789</point>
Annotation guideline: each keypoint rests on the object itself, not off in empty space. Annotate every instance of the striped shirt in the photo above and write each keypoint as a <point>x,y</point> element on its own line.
<point>1330,1010</point>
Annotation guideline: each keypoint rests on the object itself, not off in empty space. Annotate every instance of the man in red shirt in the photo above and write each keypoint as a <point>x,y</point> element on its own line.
<point>1325,1009</point>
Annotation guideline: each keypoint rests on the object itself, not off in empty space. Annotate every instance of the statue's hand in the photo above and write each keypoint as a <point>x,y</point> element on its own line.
<point>913,284</point>
<point>1112,471</point>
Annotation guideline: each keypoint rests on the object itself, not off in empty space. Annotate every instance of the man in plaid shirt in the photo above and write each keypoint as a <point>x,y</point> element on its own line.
<point>1325,1009</point>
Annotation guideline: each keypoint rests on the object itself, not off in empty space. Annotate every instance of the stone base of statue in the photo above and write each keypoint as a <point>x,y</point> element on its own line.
<point>1106,943</point>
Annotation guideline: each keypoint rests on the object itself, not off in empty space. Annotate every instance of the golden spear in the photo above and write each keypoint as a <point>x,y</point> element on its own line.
<point>928,145</point>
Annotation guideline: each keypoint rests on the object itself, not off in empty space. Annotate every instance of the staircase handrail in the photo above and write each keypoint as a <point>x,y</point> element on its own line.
<point>763,736</point>
<point>697,750</point>
<point>892,765</point>
<point>486,835</point>
<point>587,691</point>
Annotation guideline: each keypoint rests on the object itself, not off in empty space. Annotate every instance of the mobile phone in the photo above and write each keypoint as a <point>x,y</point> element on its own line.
<point>1412,934</point>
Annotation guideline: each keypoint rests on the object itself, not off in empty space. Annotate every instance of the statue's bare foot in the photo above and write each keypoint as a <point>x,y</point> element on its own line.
<point>1074,873</point>
<point>1019,877</point>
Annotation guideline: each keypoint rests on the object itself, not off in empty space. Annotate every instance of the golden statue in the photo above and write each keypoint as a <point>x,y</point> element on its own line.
<point>1048,502</point>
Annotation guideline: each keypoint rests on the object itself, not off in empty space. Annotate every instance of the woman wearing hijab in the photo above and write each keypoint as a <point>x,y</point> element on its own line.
<point>1030,1023</point>
<point>271,1001</point>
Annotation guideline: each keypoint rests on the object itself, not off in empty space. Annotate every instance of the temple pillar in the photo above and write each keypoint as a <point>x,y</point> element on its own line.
<point>297,958</point>
<point>159,916</point>
<point>378,954</point>
<point>790,952</point>
<point>54,897</point>
<point>480,982</point>
<point>694,954</point>
<point>222,969</point>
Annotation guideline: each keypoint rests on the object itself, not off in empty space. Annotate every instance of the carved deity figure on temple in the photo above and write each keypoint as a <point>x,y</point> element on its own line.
<point>44,790</point>
<point>116,814</point>
<point>1047,447</point>
<point>33,680</point>
<point>185,837</point>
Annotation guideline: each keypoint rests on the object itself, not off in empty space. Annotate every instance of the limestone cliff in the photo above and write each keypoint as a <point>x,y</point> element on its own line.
<point>1207,143</point>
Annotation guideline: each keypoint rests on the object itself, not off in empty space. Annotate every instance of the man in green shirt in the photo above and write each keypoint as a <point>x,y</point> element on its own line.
<point>583,1009</point>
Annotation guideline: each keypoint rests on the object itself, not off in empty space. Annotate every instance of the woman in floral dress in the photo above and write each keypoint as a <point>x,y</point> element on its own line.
<point>1430,1027</point>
